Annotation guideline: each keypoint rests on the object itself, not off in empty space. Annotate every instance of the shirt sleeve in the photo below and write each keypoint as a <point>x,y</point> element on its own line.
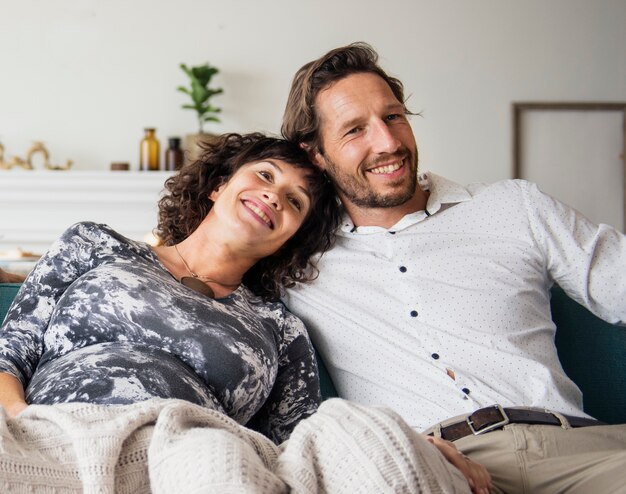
<point>22,333</point>
<point>296,391</point>
<point>585,259</point>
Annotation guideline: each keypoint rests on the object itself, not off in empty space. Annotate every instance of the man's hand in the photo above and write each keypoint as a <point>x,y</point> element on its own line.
<point>477,475</point>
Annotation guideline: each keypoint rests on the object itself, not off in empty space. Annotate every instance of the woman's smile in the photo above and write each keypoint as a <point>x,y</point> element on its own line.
<point>260,212</point>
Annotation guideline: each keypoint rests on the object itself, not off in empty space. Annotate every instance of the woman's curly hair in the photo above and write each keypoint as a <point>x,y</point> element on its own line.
<point>186,203</point>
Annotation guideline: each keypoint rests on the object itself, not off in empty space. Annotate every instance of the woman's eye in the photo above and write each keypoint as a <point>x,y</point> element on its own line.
<point>266,175</point>
<point>296,203</point>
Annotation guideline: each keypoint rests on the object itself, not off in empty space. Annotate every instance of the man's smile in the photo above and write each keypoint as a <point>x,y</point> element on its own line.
<point>388,168</point>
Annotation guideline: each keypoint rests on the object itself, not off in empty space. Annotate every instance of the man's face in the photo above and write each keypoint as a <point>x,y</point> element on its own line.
<point>368,147</point>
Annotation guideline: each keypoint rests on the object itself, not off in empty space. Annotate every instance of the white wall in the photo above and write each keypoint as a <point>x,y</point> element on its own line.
<point>86,76</point>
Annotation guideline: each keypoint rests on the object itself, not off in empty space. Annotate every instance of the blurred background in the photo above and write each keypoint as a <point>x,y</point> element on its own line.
<point>86,76</point>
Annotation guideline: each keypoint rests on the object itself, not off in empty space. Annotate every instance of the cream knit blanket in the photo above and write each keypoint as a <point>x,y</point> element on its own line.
<point>172,446</point>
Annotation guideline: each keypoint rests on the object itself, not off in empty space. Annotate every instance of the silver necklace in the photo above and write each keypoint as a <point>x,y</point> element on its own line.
<point>197,282</point>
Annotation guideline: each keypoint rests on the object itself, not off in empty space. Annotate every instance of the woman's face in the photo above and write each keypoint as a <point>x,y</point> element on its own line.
<point>264,203</point>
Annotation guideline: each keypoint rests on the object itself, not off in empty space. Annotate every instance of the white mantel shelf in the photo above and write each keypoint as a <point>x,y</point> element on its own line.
<point>36,206</point>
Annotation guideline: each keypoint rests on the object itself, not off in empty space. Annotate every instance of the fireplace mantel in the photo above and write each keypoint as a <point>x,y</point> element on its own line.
<point>36,206</point>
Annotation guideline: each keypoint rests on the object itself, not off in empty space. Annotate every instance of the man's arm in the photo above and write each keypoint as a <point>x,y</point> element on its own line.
<point>585,259</point>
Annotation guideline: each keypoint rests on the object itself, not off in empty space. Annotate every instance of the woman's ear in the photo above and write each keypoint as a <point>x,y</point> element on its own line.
<point>217,191</point>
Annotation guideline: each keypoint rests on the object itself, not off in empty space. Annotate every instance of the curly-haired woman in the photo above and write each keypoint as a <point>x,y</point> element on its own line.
<point>147,350</point>
<point>107,320</point>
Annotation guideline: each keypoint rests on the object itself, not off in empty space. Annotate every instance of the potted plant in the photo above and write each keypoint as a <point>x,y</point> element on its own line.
<point>200,92</point>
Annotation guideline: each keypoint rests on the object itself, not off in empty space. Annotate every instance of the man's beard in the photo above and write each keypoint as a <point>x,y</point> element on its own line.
<point>361,193</point>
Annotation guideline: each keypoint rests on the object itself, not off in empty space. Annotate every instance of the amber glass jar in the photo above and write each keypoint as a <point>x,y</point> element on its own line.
<point>149,151</point>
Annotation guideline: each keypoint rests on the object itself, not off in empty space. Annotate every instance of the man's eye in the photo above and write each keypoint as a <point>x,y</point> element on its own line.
<point>393,116</point>
<point>353,131</point>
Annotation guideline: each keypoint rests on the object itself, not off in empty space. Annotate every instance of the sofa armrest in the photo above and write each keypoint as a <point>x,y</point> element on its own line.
<point>7,294</point>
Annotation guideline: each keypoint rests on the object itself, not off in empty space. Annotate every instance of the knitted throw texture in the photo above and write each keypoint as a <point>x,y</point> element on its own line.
<point>172,446</point>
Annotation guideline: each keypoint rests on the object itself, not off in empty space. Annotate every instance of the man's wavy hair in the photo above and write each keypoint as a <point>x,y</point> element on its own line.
<point>186,203</point>
<point>301,121</point>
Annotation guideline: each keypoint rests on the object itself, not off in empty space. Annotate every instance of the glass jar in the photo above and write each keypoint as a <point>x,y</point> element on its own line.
<point>149,150</point>
<point>173,155</point>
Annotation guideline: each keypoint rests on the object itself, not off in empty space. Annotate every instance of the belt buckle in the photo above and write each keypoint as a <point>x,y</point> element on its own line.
<point>505,420</point>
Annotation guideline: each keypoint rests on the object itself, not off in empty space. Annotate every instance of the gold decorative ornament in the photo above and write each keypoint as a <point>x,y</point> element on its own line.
<point>37,148</point>
<point>15,161</point>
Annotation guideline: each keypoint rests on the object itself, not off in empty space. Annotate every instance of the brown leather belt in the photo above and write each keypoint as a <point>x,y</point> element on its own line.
<point>496,417</point>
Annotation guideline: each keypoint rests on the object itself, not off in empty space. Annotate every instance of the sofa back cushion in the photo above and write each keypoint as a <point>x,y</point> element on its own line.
<point>592,352</point>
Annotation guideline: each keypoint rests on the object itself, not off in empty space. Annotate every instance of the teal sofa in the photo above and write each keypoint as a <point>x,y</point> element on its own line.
<point>592,352</point>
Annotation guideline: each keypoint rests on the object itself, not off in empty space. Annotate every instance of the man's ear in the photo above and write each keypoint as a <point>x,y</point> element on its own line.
<point>315,156</point>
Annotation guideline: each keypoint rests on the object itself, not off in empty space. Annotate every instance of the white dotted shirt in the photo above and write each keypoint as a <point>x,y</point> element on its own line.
<point>462,290</point>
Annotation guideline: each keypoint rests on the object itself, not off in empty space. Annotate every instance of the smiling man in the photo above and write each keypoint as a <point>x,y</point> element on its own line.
<point>435,298</point>
<point>381,151</point>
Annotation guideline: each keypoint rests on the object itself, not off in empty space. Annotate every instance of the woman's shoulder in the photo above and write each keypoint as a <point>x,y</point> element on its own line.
<point>268,308</point>
<point>276,310</point>
<point>99,239</point>
<point>98,233</point>
<point>90,229</point>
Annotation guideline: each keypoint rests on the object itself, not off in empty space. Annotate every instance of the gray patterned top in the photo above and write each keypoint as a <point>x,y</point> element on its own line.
<point>101,320</point>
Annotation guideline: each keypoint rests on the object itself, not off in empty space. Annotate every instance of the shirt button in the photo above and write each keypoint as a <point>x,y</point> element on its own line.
<point>413,313</point>
<point>392,233</point>
<point>402,269</point>
<point>435,356</point>
<point>466,391</point>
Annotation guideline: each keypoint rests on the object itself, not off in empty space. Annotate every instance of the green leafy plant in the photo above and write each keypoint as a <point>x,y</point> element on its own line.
<point>200,93</point>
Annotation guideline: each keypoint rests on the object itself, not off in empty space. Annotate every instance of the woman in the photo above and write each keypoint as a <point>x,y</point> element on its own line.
<point>107,320</point>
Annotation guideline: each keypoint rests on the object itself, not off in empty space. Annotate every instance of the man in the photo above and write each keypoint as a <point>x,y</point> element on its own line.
<point>435,299</point>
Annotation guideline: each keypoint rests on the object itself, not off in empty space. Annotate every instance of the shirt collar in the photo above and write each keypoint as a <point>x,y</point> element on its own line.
<point>442,193</point>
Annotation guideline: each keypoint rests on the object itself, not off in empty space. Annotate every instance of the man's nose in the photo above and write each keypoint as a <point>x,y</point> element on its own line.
<point>383,139</point>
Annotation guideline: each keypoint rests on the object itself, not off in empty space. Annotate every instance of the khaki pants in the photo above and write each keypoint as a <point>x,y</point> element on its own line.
<point>545,459</point>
